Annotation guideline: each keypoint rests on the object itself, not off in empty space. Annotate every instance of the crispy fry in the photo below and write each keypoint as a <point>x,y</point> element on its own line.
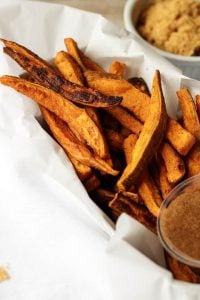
<point>149,139</point>
<point>122,204</point>
<point>69,68</point>
<point>83,171</point>
<point>173,162</point>
<point>126,119</point>
<point>190,117</point>
<point>114,138</point>
<point>64,109</point>
<point>193,161</point>
<point>181,139</point>
<point>73,50</point>
<point>72,145</point>
<point>198,105</point>
<point>83,61</point>
<point>180,270</point>
<point>128,145</point>
<point>109,84</point>
<point>164,184</point>
<point>92,183</point>
<point>117,68</point>
<point>147,189</point>
<point>140,84</point>
<point>149,193</point>
<point>50,78</point>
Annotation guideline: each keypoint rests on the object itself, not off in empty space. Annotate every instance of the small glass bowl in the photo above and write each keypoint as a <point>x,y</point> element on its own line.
<point>190,185</point>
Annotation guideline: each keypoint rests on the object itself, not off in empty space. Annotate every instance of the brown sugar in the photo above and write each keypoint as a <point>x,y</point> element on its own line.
<point>172,25</point>
<point>180,224</point>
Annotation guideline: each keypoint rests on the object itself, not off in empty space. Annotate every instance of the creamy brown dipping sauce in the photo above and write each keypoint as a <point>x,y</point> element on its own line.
<point>180,224</point>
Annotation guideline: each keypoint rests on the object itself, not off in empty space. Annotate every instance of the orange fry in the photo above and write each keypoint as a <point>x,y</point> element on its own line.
<point>125,118</point>
<point>69,68</point>
<point>50,78</point>
<point>181,139</point>
<point>117,68</point>
<point>64,109</point>
<point>83,61</point>
<point>193,161</point>
<point>190,117</point>
<point>109,84</point>
<point>149,139</point>
<point>72,145</point>
<point>173,162</point>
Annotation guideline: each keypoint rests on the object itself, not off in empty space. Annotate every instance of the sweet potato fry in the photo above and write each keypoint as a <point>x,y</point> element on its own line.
<point>164,184</point>
<point>128,145</point>
<point>173,162</point>
<point>180,270</point>
<point>181,139</point>
<point>149,193</point>
<point>69,68</point>
<point>149,139</point>
<point>109,84</point>
<point>73,50</point>
<point>147,189</point>
<point>114,138</point>
<point>198,105</point>
<point>190,117</point>
<point>72,145</point>
<point>85,62</point>
<point>83,171</point>
<point>92,183</point>
<point>50,78</point>
<point>122,204</point>
<point>140,84</point>
<point>193,161</point>
<point>125,118</point>
<point>117,68</point>
<point>64,109</point>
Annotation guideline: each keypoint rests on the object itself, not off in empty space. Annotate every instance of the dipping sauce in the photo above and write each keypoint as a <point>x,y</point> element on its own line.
<point>180,224</point>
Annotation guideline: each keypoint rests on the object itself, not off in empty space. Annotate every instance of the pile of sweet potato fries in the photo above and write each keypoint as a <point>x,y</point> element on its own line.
<point>128,153</point>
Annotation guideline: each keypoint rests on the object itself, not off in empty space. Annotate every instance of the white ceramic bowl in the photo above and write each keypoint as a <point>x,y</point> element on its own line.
<point>189,65</point>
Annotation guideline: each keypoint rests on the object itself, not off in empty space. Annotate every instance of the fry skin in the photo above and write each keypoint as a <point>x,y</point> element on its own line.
<point>164,184</point>
<point>84,61</point>
<point>128,145</point>
<point>140,84</point>
<point>125,118</point>
<point>64,109</point>
<point>173,162</point>
<point>109,84</point>
<point>72,145</point>
<point>50,78</point>
<point>181,139</point>
<point>149,139</point>
<point>190,117</point>
<point>117,68</point>
<point>193,161</point>
<point>149,193</point>
<point>147,189</point>
<point>69,68</point>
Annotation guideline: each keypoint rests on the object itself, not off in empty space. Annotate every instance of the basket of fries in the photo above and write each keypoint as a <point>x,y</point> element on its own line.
<point>121,132</point>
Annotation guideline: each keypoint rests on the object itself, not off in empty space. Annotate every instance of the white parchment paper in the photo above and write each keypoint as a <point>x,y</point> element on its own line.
<point>54,241</point>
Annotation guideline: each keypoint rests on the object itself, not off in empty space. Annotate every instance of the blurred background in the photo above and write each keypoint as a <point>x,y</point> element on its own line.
<point>111,9</point>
